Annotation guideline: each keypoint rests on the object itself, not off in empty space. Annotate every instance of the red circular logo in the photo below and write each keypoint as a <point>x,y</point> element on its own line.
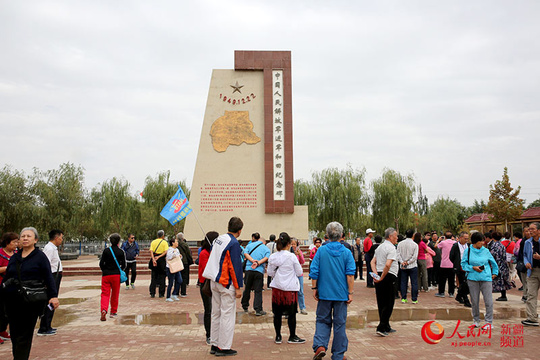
<point>429,336</point>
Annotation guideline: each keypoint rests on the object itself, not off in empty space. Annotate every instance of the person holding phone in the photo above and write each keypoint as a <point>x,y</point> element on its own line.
<point>481,269</point>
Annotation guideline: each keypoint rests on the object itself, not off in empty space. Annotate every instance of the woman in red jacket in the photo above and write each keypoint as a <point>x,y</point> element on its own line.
<point>206,248</point>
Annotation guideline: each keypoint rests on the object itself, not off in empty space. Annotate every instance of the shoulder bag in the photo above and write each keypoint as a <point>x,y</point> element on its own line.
<point>175,264</point>
<point>123,276</point>
<point>32,291</point>
<point>150,263</point>
<point>245,261</point>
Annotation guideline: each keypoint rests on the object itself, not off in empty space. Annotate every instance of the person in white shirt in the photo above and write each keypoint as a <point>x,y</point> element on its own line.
<point>407,256</point>
<point>284,268</point>
<point>272,246</point>
<point>51,251</point>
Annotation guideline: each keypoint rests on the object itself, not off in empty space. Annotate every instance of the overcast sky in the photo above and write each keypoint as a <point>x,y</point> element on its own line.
<point>448,91</point>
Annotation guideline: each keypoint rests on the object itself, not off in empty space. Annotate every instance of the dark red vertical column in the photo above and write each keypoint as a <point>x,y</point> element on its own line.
<point>268,61</point>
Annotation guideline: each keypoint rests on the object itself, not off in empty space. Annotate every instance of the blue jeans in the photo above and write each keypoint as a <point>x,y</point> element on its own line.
<point>405,275</point>
<point>175,279</point>
<point>301,302</point>
<point>323,327</point>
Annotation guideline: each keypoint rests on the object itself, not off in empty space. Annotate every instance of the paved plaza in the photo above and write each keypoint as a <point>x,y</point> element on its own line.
<point>153,329</point>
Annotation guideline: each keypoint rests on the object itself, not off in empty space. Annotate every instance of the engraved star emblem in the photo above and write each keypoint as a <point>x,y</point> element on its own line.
<point>237,87</point>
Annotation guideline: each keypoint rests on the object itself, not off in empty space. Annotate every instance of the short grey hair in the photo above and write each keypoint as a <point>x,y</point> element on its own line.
<point>462,234</point>
<point>33,229</point>
<point>389,232</point>
<point>180,236</point>
<point>160,233</point>
<point>334,230</point>
<point>536,223</point>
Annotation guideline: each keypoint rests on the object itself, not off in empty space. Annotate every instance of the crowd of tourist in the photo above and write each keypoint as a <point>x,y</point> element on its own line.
<point>461,266</point>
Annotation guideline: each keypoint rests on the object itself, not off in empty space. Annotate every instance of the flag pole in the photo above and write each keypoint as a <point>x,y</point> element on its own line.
<point>198,222</point>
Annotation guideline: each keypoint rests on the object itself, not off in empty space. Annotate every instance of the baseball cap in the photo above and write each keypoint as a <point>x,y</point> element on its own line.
<point>370,230</point>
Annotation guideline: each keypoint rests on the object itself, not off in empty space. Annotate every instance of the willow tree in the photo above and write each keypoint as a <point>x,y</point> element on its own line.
<point>339,195</point>
<point>504,202</point>
<point>446,214</point>
<point>61,199</point>
<point>16,202</point>
<point>392,200</point>
<point>114,208</point>
<point>304,194</point>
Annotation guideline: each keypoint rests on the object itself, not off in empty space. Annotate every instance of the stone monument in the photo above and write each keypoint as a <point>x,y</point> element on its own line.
<point>245,161</point>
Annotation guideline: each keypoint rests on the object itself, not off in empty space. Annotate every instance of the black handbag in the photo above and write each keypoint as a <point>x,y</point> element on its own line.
<point>31,291</point>
<point>206,288</point>
<point>520,266</point>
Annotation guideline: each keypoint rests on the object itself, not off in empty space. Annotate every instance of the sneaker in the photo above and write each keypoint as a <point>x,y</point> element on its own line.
<point>487,326</point>
<point>524,299</point>
<point>278,339</point>
<point>415,301</point>
<point>208,340</point>
<point>391,331</point>
<point>46,333</point>
<point>439,295</point>
<point>213,349</point>
<point>4,335</point>
<point>296,340</point>
<point>152,295</point>
<point>183,295</point>
<point>521,288</point>
<point>246,311</point>
<point>103,315</point>
<point>319,353</point>
<point>502,298</point>
<point>303,312</point>
<point>113,315</point>
<point>127,287</point>
<point>460,300</point>
<point>260,313</point>
<point>174,297</point>
<point>529,322</point>
<point>450,295</point>
<point>475,324</point>
<point>169,300</point>
<point>467,304</point>
<point>403,301</point>
<point>228,352</point>
<point>382,333</point>
<point>133,286</point>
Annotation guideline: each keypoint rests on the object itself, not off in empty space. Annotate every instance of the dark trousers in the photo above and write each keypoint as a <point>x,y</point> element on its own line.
<point>407,274</point>
<point>431,280</point>
<point>359,266</point>
<point>268,281</point>
<point>385,301</point>
<point>291,321</point>
<point>22,319</point>
<point>157,279</point>
<point>133,267</point>
<point>369,279</point>
<point>46,320</point>
<point>436,270</point>
<point>254,280</point>
<point>185,280</point>
<point>173,279</point>
<point>446,274</point>
<point>3,315</point>
<point>207,304</point>
<point>463,289</point>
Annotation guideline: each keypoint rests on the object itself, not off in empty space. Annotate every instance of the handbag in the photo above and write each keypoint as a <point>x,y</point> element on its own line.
<point>175,264</point>
<point>206,288</point>
<point>520,266</point>
<point>32,291</point>
<point>123,276</point>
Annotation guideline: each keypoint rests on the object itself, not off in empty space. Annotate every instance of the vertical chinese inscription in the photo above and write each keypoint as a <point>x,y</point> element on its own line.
<point>279,151</point>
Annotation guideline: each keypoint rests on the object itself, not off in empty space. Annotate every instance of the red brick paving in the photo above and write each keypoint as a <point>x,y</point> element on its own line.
<point>181,334</point>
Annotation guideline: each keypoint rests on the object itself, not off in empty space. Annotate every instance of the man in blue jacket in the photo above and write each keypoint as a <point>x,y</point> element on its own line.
<point>531,258</point>
<point>131,248</point>
<point>332,276</point>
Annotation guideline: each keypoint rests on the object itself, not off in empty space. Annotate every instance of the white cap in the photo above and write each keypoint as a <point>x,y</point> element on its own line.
<point>370,230</point>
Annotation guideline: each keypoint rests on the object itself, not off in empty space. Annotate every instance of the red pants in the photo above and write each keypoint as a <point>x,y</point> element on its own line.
<point>110,283</point>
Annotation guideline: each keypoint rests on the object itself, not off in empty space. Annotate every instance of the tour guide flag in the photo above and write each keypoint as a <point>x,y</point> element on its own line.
<point>177,208</point>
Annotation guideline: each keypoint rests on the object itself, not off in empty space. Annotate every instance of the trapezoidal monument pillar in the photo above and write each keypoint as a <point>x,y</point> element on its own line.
<point>245,161</point>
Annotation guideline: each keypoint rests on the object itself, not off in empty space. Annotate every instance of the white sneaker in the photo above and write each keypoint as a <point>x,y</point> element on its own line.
<point>169,300</point>
<point>174,297</point>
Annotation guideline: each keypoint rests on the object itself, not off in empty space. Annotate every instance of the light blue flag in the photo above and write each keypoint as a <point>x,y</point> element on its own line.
<point>177,208</point>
